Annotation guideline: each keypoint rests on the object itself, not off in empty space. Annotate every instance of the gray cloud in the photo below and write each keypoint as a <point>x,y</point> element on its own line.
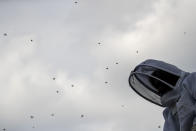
<point>65,46</point>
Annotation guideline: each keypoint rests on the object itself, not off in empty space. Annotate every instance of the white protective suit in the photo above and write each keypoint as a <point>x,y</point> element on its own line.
<point>178,100</point>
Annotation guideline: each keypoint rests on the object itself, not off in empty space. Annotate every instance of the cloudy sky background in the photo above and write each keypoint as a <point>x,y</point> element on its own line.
<point>65,45</point>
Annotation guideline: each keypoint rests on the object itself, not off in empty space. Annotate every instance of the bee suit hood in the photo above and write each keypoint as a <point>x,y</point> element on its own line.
<point>167,86</point>
<point>153,79</point>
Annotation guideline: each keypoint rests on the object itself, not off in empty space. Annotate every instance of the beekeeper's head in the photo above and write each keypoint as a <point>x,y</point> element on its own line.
<point>152,79</point>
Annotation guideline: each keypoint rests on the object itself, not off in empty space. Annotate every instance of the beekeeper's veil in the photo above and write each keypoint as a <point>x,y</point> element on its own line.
<point>152,79</point>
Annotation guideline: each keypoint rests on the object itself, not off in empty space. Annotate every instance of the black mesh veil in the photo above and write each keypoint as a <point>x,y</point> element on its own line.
<point>152,82</point>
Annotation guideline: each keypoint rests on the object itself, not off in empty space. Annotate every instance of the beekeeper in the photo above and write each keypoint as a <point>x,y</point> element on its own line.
<point>167,86</point>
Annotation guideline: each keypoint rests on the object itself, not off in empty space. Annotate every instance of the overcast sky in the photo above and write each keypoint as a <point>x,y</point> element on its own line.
<point>90,48</point>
